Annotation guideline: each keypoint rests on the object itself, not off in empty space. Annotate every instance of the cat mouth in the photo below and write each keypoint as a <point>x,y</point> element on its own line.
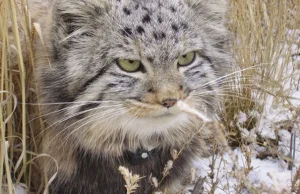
<point>169,111</point>
<point>153,110</point>
<point>144,110</point>
<point>183,107</point>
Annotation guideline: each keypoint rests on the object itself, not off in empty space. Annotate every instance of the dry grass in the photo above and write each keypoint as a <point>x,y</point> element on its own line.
<point>262,45</point>
<point>265,35</point>
<point>262,50</point>
<point>17,92</point>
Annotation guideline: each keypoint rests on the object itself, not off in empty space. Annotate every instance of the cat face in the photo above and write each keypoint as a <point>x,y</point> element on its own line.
<point>127,63</point>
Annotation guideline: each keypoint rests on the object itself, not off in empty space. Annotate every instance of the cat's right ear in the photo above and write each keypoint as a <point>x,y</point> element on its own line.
<point>73,21</point>
<point>77,16</point>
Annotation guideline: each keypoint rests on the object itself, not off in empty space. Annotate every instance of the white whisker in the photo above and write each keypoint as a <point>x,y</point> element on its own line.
<point>107,116</point>
<point>186,108</point>
<point>74,115</point>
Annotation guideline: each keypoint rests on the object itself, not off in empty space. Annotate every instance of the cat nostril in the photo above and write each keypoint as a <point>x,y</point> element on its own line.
<point>150,90</point>
<point>169,102</point>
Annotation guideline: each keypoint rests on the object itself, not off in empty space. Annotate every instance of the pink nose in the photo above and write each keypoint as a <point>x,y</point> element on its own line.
<point>169,102</point>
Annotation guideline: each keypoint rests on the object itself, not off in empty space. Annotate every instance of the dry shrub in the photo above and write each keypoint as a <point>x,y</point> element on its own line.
<point>18,131</point>
<point>264,37</point>
<point>261,47</point>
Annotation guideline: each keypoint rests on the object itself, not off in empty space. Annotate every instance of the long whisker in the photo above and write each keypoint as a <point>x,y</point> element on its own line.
<point>89,118</point>
<point>64,103</point>
<point>107,117</point>
<point>229,89</point>
<point>74,115</point>
<point>232,75</point>
<point>232,84</point>
<point>238,81</point>
<point>234,80</point>
<point>85,111</point>
<point>229,95</point>
<point>216,91</point>
<point>133,117</point>
<point>228,75</point>
<point>53,112</point>
<point>114,115</point>
<point>77,104</point>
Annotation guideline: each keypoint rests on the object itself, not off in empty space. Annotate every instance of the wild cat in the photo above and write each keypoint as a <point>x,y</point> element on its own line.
<point>112,72</point>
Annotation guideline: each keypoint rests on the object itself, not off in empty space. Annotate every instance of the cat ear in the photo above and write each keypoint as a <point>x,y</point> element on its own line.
<point>72,19</point>
<point>213,15</point>
<point>213,10</point>
<point>72,15</point>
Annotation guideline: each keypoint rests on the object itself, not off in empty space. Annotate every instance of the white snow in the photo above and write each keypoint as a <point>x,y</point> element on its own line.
<point>20,190</point>
<point>269,175</point>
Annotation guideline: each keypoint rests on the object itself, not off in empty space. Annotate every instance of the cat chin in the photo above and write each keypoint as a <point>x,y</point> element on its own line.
<point>158,124</point>
<point>140,133</point>
<point>170,125</point>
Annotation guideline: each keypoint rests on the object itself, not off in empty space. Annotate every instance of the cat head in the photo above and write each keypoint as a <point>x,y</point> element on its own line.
<point>125,63</point>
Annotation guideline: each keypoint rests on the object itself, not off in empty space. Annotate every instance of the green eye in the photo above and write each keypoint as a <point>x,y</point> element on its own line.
<point>129,65</point>
<point>186,59</point>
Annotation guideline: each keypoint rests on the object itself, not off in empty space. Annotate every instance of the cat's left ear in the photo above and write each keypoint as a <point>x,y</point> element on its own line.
<point>213,10</point>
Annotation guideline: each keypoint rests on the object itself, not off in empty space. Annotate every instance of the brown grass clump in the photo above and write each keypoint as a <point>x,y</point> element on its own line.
<point>19,145</point>
<point>264,37</point>
<point>263,33</point>
<point>262,47</point>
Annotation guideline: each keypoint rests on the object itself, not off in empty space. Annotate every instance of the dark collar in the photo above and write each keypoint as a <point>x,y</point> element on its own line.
<point>139,157</point>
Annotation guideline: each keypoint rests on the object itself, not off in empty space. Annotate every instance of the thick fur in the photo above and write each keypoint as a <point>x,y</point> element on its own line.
<point>96,111</point>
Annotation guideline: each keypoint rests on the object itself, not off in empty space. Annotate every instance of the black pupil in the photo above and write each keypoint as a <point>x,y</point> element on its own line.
<point>131,61</point>
<point>184,56</point>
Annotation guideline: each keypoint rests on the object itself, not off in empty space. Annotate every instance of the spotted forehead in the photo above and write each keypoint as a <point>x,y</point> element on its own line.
<point>158,25</point>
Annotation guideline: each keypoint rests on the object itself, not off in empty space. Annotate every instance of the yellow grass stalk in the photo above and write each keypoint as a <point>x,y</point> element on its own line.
<point>3,24</point>
<point>10,46</point>
<point>22,74</point>
<point>4,96</point>
<point>262,45</point>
